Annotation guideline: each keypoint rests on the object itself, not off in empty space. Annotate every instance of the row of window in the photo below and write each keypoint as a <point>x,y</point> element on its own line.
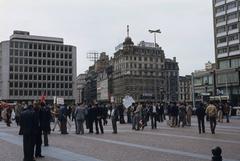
<point>139,66</point>
<point>229,38</point>
<point>227,78</point>
<point>25,93</point>
<point>40,46</point>
<point>227,28</point>
<point>233,63</point>
<point>227,6</point>
<point>227,17</point>
<point>38,69</point>
<point>32,77</point>
<point>151,59</point>
<point>39,85</point>
<point>37,62</point>
<point>39,54</point>
<point>228,49</point>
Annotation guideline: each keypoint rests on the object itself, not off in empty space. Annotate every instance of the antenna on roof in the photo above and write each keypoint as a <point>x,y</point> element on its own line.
<point>127,30</point>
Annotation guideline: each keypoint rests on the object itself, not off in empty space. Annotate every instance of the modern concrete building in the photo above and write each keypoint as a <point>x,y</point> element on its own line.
<point>185,88</point>
<point>227,50</point>
<point>140,71</point>
<point>33,65</point>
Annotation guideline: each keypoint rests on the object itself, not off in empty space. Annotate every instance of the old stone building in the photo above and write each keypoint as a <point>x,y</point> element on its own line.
<point>140,71</point>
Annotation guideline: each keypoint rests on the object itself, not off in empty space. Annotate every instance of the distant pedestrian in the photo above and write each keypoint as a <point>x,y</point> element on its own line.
<point>45,119</point>
<point>189,114</point>
<point>211,111</point>
<point>200,112</point>
<point>80,117</point>
<point>115,118</point>
<point>63,119</point>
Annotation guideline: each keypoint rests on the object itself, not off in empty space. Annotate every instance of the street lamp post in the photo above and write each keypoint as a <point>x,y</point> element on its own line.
<point>155,45</point>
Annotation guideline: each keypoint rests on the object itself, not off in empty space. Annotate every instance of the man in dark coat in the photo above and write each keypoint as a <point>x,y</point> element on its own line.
<point>45,118</point>
<point>37,130</point>
<point>200,112</point>
<point>98,118</point>
<point>91,117</point>
<point>27,124</point>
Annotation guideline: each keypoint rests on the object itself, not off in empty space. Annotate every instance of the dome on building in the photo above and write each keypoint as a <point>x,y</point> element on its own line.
<point>128,41</point>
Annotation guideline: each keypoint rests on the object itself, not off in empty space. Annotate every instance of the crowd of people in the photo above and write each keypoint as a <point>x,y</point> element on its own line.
<point>35,118</point>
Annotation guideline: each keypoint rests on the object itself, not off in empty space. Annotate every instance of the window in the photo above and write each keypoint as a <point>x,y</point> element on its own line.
<point>222,40</point>
<point>220,19</point>
<point>231,5</point>
<point>220,9</point>
<point>224,64</point>
<point>222,50</point>
<point>232,16</point>
<point>235,63</point>
<point>234,48</point>
<point>232,27</point>
<point>221,29</point>
<point>233,37</point>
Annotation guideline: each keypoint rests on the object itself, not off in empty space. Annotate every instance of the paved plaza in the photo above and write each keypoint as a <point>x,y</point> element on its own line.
<point>162,144</point>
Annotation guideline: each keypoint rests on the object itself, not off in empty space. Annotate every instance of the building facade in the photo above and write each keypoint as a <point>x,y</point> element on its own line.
<point>31,66</point>
<point>139,71</point>
<point>92,77</point>
<point>185,88</point>
<point>80,82</point>
<point>227,46</point>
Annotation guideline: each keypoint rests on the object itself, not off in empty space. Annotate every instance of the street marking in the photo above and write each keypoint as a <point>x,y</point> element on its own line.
<point>52,152</point>
<point>170,151</point>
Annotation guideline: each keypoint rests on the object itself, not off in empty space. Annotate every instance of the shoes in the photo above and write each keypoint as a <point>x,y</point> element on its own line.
<point>114,132</point>
<point>46,145</point>
<point>39,156</point>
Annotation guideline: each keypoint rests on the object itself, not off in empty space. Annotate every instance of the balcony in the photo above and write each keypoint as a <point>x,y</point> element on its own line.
<point>221,24</point>
<point>220,3</point>
<point>228,1</point>
<point>232,20</point>
<point>222,44</point>
<point>220,13</point>
<point>222,55</point>
<point>233,42</point>
<point>233,31</point>
<point>232,53</point>
<point>221,34</point>
<point>232,10</point>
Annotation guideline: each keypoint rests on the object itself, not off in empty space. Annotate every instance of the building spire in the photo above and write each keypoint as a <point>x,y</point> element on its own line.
<point>127,30</point>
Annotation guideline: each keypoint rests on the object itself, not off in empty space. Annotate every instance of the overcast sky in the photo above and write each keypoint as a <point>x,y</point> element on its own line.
<point>100,25</point>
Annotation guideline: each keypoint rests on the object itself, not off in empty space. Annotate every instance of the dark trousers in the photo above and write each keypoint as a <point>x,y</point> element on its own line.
<point>17,118</point>
<point>90,126</point>
<point>45,138</point>
<point>28,147</point>
<point>38,144</point>
<point>201,125</point>
<point>154,121</point>
<point>79,126</point>
<point>99,122</point>
<point>114,125</point>
<point>63,127</point>
<point>213,124</point>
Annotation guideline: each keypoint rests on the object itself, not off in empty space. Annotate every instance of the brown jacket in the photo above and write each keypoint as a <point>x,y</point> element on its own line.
<point>211,110</point>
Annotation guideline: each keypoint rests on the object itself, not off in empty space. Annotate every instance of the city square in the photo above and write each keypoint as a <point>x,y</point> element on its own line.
<point>108,80</point>
<point>164,143</point>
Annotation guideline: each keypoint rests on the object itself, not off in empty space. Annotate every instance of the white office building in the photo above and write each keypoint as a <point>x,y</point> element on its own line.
<point>31,66</point>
